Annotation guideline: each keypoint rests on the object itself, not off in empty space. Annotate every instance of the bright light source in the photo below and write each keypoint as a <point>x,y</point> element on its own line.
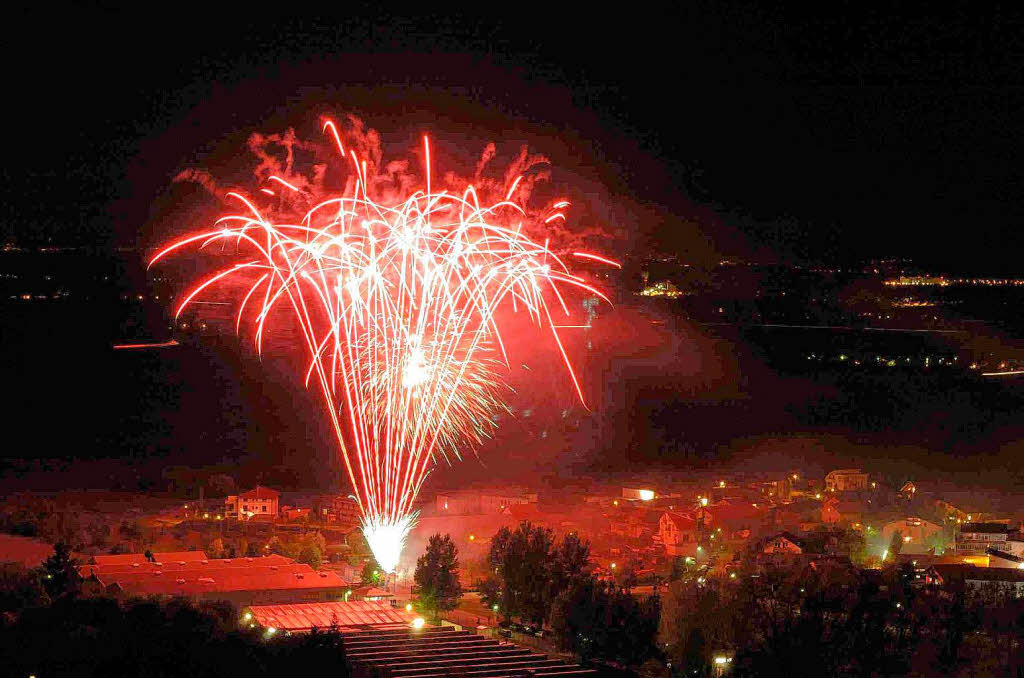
<point>418,623</point>
<point>472,537</point>
<point>906,539</point>
<point>703,501</point>
<point>408,607</point>
<point>248,616</point>
<point>885,554</point>
<point>206,515</point>
<point>721,660</point>
<point>386,539</point>
<point>613,566</point>
<point>616,502</point>
<point>646,495</point>
<point>721,483</point>
<point>495,608</point>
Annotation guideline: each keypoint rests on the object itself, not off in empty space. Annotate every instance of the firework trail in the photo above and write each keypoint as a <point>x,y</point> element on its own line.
<point>397,300</point>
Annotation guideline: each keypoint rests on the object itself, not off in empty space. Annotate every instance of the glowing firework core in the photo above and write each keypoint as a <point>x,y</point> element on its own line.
<point>397,307</point>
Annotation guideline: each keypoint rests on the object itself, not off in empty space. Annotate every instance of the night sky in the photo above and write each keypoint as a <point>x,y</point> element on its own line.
<point>767,133</point>
<point>840,133</point>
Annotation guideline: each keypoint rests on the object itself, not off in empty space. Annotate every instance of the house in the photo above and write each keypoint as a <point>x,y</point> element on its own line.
<point>846,480</point>
<point>913,530</point>
<point>976,538</point>
<point>993,582</point>
<point>997,558</point>
<point>677,532</point>
<point>733,517</point>
<point>294,513</point>
<point>783,542</point>
<point>472,502</point>
<point>830,511</point>
<point>634,522</point>
<point>261,502</point>
<point>339,509</point>
<point>637,494</point>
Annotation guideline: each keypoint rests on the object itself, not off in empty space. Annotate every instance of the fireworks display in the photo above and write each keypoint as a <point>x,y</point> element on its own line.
<point>400,300</point>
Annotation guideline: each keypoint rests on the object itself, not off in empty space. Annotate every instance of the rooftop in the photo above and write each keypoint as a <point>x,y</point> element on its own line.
<point>345,616</point>
<point>141,557</point>
<point>435,652</point>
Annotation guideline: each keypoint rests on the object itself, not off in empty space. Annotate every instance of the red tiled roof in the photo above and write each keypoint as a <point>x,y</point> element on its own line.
<point>130,578</point>
<point>304,616</point>
<point>141,557</point>
<point>181,565</point>
<point>260,492</point>
<point>373,592</point>
<point>297,577</point>
<point>682,522</point>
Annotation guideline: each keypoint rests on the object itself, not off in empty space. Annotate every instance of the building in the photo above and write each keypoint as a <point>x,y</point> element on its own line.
<point>783,542</point>
<point>997,558</point>
<point>846,480</point>
<point>259,502</point>
<point>678,533</point>
<point>830,511</point>
<point>992,582</point>
<point>637,494</point>
<point>334,508</point>
<point>976,538</point>
<point>341,616</point>
<point>477,503</point>
<point>161,557</point>
<point>294,513</point>
<point>914,531</point>
<point>733,517</point>
<point>420,650</point>
<point>242,581</point>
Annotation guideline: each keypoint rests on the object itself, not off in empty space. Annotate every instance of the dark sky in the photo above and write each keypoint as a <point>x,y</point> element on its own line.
<point>844,132</point>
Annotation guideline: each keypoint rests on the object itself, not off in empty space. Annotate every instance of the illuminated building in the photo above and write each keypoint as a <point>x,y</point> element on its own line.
<point>846,480</point>
<point>259,501</point>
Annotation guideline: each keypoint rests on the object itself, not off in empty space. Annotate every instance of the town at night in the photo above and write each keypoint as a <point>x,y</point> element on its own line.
<point>677,341</point>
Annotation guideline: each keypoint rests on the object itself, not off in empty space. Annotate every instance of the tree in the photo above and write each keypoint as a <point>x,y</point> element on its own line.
<point>597,620</point>
<point>20,588</point>
<point>568,564</point>
<point>220,484</point>
<point>276,546</point>
<point>59,576</point>
<point>372,572</point>
<point>696,621</point>
<point>311,555</point>
<point>216,548</point>
<point>895,544</point>
<point>520,563</point>
<point>437,586</point>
